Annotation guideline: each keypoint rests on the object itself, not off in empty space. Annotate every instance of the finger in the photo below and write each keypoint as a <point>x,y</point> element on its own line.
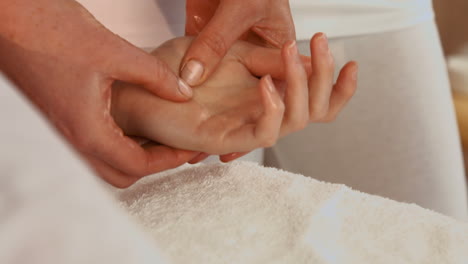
<point>198,14</point>
<point>265,132</point>
<point>112,176</point>
<point>343,90</point>
<point>232,156</point>
<point>269,124</point>
<point>296,116</point>
<point>201,157</point>
<point>277,27</point>
<point>228,23</point>
<point>120,152</point>
<point>121,179</point>
<point>133,65</point>
<point>261,61</point>
<point>321,80</point>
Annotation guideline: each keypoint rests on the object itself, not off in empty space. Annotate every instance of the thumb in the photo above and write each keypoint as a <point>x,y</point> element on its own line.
<point>206,51</point>
<point>133,65</point>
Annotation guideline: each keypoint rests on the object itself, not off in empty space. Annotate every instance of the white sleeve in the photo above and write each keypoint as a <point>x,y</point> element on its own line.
<point>52,208</point>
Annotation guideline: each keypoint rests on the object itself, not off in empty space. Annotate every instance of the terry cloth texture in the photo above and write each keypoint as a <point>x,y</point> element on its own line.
<point>245,213</point>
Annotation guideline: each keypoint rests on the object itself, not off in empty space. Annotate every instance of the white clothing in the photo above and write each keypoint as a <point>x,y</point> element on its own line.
<point>148,23</point>
<point>53,209</point>
<point>398,136</point>
<point>144,23</point>
<point>339,18</point>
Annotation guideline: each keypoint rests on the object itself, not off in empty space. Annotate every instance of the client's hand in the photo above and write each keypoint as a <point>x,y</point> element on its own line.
<point>321,102</point>
<point>232,111</point>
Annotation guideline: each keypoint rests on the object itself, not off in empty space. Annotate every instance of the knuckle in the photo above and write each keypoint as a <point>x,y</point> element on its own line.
<point>160,70</point>
<point>215,43</point>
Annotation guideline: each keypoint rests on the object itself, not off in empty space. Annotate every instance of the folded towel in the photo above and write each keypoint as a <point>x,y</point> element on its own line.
<point>244,213</point>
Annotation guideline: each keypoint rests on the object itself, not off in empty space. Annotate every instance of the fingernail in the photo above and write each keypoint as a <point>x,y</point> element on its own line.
<point>323,42</point>
<point>192,72</point>
<point>269,83</point>
<point>185,89</point>
<point>292,47</point>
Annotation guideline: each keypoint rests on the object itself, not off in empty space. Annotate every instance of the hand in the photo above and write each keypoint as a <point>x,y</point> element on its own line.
<point>324,99</point>
<point>233,110</point>
<point>66,62</point>
<point>219,23</point>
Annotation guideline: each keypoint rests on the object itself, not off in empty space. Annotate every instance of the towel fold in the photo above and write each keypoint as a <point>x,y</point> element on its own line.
<point>244,213</point>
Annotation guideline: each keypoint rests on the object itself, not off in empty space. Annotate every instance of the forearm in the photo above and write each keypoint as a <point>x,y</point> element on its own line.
<point>59,28</point>
<point>8,13</point>
<point>25,20</point>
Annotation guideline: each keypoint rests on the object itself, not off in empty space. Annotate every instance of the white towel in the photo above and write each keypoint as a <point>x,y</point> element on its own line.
<point>244,213</point>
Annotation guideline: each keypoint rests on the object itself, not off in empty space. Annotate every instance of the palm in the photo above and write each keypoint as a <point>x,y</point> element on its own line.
<point>222,117</point>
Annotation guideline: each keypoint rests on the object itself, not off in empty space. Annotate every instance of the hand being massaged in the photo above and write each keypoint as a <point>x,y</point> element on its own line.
<point>234,111</point>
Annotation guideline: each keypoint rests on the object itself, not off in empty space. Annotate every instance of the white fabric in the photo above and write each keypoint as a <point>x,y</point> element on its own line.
<point>256,156</point>
<point>148,23</point>
<point>53,210</point>
<point>339,18</point>
<point>398,136</point>
<point>244,213</point>
<point>145,23</point>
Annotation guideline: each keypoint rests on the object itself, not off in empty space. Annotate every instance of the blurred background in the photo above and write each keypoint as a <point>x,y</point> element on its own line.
<point>452,20</point>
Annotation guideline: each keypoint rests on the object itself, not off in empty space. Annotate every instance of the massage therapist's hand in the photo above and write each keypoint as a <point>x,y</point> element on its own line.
<point>219,23</point>
<point>66,62</point>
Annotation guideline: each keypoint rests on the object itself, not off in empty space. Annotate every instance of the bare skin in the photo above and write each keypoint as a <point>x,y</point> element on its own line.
<point>217,24</point>
<point>233,110</point>
<point>65,62</point>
